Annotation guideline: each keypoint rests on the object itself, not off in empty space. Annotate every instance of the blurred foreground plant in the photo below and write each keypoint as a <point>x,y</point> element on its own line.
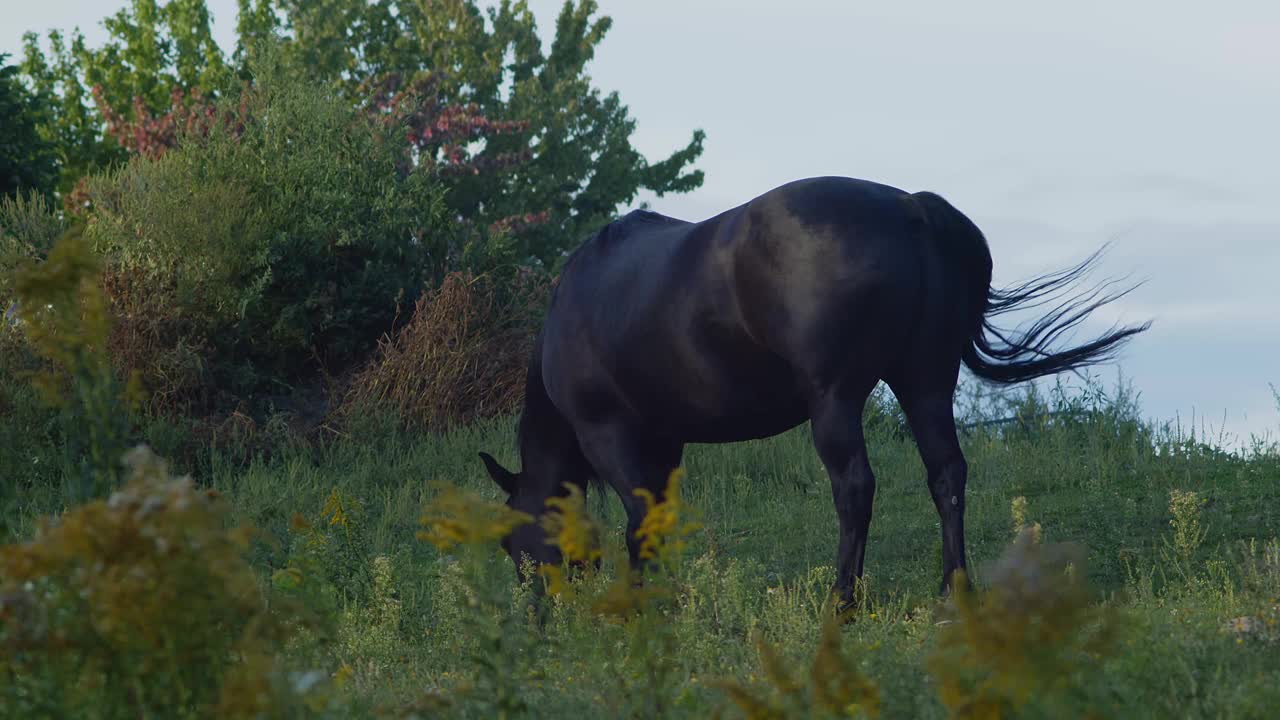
<point>456,517</point>
<point>593,581</point>
<point>834,687</point>
<point>488,628</point>
<point>63,312</point>
<point>142,605</point>
<point>1031,644</point>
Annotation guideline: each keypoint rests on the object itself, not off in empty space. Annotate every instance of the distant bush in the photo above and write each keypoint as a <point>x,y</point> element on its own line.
<point>28,228</point>
<point>273,244</point>
<point>170,350</point>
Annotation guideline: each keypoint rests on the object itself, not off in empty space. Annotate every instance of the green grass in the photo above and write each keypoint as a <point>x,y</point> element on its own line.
<point>762,565</point>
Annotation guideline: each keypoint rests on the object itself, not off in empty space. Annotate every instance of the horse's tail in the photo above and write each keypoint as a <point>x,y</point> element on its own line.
<point>1003,357</point>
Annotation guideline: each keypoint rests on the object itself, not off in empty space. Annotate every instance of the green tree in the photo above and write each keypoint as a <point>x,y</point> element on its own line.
<point>27,161</point>
<point>150,51</point>
<point>580,163</point>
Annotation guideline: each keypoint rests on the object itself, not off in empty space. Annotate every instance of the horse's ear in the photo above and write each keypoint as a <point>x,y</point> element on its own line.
<point>506,479</point>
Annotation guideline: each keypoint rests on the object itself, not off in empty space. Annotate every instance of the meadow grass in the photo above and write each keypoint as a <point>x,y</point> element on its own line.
<point>1177,538</point>
<point>1121,570</point>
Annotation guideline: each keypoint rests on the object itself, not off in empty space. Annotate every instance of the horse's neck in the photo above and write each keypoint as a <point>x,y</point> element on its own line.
<point>548,444</point>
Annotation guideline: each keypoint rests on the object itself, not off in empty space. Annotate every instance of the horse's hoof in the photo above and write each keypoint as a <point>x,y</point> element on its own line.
<point>846,610</point>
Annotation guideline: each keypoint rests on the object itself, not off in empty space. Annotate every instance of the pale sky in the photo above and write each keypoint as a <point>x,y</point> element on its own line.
<point>1054,127</point>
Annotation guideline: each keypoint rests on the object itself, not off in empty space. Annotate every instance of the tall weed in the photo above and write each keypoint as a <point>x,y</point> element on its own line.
<point>64,315</point>
<point>1030,644</point>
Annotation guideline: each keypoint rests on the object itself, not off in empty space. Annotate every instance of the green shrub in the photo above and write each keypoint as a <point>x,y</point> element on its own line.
<point>28,228</point>
<point>285,237</point>
<point>29,428</point>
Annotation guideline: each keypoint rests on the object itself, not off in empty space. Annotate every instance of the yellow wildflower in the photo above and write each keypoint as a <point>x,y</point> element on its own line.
<point>455,517</point>
<point>570,528</point>
<point>555,578</point>
<point>343,675</point>
<point>661,527</point>
<point>338,508</point>
<point>835,686</point>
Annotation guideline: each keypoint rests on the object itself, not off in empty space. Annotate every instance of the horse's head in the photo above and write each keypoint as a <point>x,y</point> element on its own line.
<point>528,539</point>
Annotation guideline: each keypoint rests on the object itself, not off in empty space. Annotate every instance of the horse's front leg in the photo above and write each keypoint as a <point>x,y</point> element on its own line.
<point>629,461</point>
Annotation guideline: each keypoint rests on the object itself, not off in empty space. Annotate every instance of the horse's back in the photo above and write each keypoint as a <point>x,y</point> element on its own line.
<point>722,326</point>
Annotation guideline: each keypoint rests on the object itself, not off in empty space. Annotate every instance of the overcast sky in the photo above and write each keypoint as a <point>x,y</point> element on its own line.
<point>1056,128</point>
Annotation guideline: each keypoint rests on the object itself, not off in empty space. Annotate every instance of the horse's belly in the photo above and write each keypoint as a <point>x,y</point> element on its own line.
<point>743,427</point>
<point>722,398</point>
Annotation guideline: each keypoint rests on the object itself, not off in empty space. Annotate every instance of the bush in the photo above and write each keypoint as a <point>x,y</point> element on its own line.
<point>28,228</point>
<point>282,239</point>
<point>149,337</point>
<point>462,356</point>
<point>142,605</point>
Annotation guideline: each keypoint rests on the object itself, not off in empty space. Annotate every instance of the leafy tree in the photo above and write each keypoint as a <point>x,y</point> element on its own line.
<point>150,51</point>
<point>71,123</point>
<point>27,162</point>
<point>570,157</point>
<point>582,164</point>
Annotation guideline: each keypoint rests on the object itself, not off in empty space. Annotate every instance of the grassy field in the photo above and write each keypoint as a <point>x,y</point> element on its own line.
<point>1182,588</point>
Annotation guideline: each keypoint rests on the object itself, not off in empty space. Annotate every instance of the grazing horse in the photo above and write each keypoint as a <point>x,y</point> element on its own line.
<point>790,307</point>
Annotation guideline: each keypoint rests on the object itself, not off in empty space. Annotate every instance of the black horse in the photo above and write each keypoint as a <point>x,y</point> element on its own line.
<point>788,308</point>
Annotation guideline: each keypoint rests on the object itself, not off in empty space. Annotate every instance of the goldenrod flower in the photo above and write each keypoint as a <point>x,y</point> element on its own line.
<point>456,517</point>
<point>570,528</point>
<point>661,527</point>
<point>555,578</point>
<point>337,507</point>
<point>343,675</point>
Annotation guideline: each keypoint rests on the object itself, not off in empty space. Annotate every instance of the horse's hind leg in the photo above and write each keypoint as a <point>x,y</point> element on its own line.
<point>836,415</point>
<point>932,421</point>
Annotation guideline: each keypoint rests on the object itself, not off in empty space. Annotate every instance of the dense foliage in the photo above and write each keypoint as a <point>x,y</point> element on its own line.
<point>27,160</point>
<point>285,236</point>
<point>265,217</point>
<point>548,155</point>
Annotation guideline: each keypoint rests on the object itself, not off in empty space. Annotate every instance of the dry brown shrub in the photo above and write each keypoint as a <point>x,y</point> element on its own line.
<point>149,335</point>
<point>461,357</point>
